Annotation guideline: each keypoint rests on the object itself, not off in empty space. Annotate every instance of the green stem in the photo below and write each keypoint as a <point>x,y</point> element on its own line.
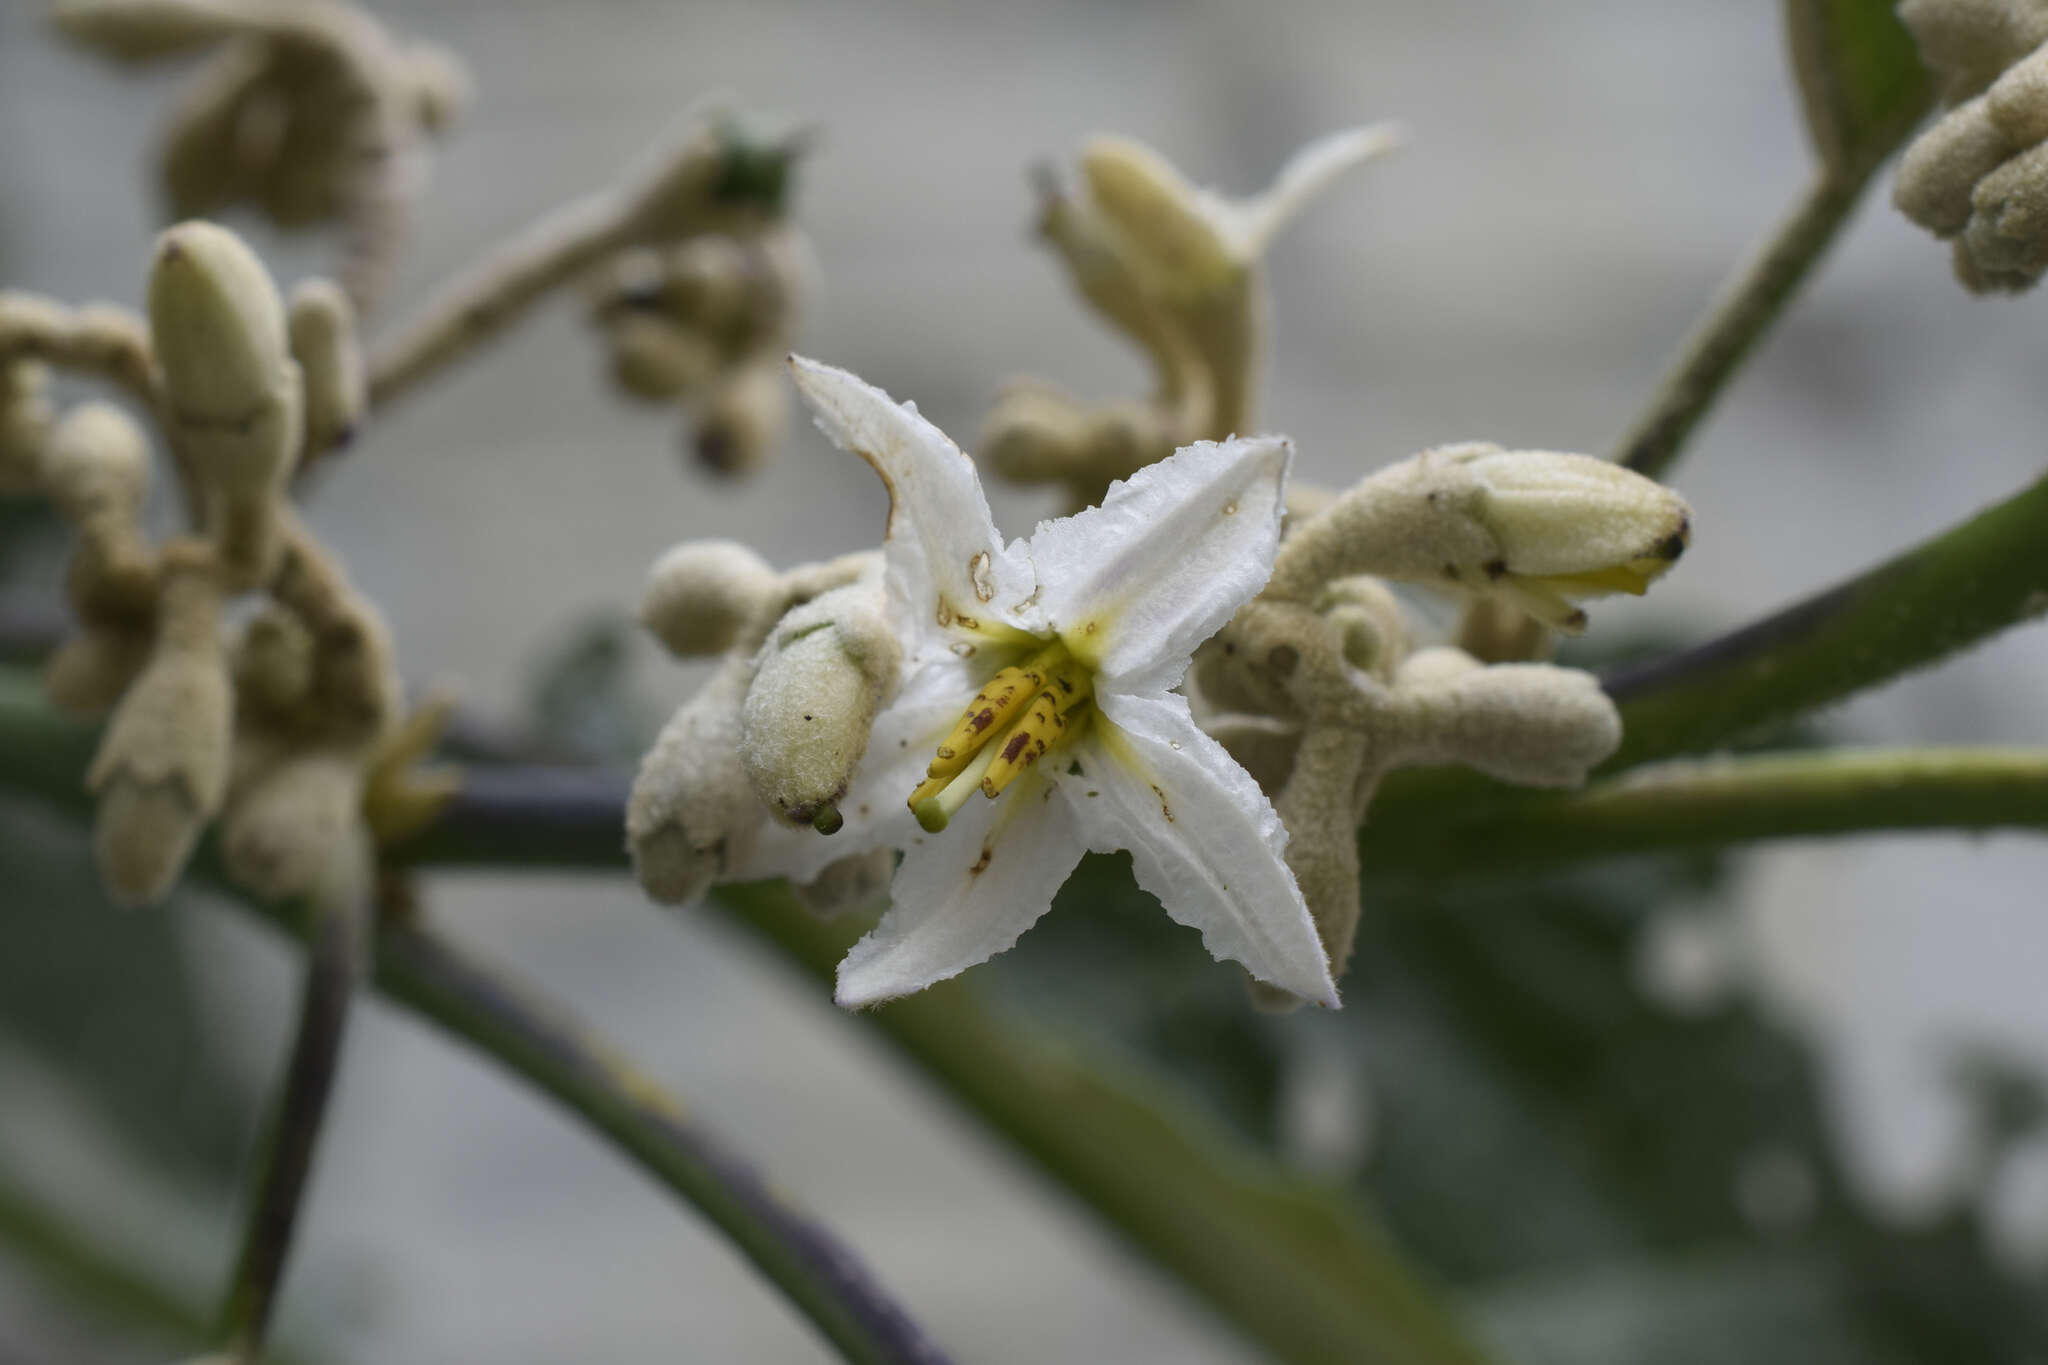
<point>1942,596</point>
<point>334,964</point>
<point>1291,1261</point>
<point>1715,802</point>
<point>1747,305</point>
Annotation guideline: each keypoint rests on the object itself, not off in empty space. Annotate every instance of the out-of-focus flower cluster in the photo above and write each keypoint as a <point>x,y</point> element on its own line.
<point>289,730</point>
<point>310,110</point>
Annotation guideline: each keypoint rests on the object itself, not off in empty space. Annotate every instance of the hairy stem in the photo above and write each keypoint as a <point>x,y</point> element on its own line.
<point>491,295</point>
<point>1748,303</point>
<point>335,940</point>
<point>1715,802</point>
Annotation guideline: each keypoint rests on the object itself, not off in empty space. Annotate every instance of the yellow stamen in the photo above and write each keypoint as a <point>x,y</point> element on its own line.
<point>935,809</point>
<point>992,708</point>
<point>1042,727</point>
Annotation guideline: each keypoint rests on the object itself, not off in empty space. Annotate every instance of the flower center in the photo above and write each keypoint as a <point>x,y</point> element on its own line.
<point>1022,712</point>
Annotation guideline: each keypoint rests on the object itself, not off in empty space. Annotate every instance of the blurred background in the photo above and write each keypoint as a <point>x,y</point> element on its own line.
<point>1581,175</point>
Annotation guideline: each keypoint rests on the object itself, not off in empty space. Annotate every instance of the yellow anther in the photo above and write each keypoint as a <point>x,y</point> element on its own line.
<point>992,708</point>
<point>1043,726</point>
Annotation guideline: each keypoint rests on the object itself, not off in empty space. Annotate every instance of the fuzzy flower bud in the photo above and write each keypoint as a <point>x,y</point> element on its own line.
<point>1534,528</point>
<point>138,29</point>
<point>25,420</point>
<point>691,805</point>
<point>1944,164</point>
<point>162,767</point>
<point>1531,724</point>
<point>323,341</point>
<point>655,358</point>
<point>97,471</point>
<point>701,595</point>
<point>91,670</point>
<point>232,392</point>
<point>817,685</point>
<point>282,837</point>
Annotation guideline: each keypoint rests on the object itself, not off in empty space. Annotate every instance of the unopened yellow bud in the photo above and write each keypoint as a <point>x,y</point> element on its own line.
<point>702,594</point>
<point>162,766</point>
<point>818,683</point>
<point>1538,529</point>
<point>323,340</point>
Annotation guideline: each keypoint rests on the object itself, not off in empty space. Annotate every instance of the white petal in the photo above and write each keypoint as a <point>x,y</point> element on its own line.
<point>935,689</point>
<point>1135,584</point>
<point>1203,838</point>
<point>946,561</point>
<point>1310,171</point>
<point>965,895</point>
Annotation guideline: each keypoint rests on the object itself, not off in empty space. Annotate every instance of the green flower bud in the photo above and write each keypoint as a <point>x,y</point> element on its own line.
<point>323,339</point>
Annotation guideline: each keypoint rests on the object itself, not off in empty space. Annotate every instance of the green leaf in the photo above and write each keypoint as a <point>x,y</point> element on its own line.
<point>1859,77</point>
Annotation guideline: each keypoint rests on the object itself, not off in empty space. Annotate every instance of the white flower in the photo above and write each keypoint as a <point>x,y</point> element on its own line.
<point>1036,683</point>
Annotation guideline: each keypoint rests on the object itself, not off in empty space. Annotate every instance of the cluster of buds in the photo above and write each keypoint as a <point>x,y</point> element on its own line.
<point>292,731</point>
<point>1314,686</point>
<point>1175,268</point>
<point>1979,175</point>
<point>766,748</point>
<point>708,320</point>
<point>308,109</point>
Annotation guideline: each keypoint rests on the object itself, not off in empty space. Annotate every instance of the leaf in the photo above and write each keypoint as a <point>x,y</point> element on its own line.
<point>1860,79</point>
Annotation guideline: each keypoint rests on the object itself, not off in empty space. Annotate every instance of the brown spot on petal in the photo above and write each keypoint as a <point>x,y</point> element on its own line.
<point>977,571</point>
<point>981,864</point>
<point>1164,809</point>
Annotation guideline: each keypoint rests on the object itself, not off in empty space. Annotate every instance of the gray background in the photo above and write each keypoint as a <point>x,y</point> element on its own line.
<point>1582,174</point>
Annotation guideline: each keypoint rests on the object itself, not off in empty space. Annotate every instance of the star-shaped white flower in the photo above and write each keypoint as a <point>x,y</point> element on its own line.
<point>1043,671</point>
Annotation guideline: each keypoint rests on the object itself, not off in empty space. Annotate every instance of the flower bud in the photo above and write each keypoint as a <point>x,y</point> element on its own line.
<point>25,421</point>
<point>1534,528</point>
<point>2018,100</point>
<point>818,682</point>
<point>97,470</point>
<point>323,338</point>
<point>273,664</point>
<point>282,838</point>
<point>1943,165</point>
<point>135,30</point>
<point>743,418</point>
<point>232,392</point>
<point>702,594</point>
<point>1166,223</point>
<point>208,162</point>
<point>1532,724</point>
<point>691,807</point>
<point>654,358</point>
<point>1371,626</point>
<point>2008,230</point>
<point>162,766</point>
<point>442,89</point>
